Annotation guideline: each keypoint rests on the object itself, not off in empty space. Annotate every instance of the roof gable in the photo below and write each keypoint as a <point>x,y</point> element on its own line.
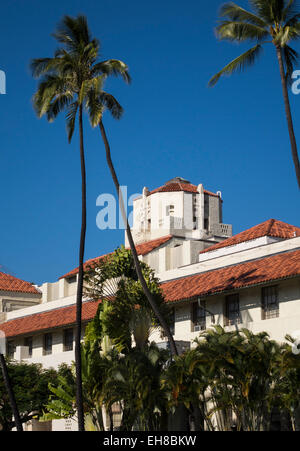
<point>276,267</point>
<point>142,249</point>
<point>13,284</point>
<point>179,186</point>
<point>256,272</point>
<point>271,228</point>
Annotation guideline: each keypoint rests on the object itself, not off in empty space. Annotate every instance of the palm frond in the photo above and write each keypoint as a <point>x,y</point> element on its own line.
<point>95,85</point>
<point>95,108</point>
<point>269,10</point>
<point>237,13</point>
<point>112,67</point>
<point>49,87</point>
<point>73,32</point>
<point>58,104</point>
<point>238,64</point>
<point>240,31</point>
<point>86,86</point>
<point>294,32</point>
<point>291,58</point>
<point>111,104</point>
<point>290,10</point>
<point>74,74</point>
<point>71,119</point>
<point>294,20</point>
<point>282,36</point>
<point>40,66</point>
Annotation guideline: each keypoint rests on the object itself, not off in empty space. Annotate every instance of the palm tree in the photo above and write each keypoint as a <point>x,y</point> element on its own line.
<point>99,101</point>
<point>125,310</point>
<point>62,87</point>
<point>11,394</point>
<point>272,21</point>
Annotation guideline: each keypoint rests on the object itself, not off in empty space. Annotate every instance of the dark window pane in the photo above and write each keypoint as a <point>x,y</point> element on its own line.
<point>47,344</point>
<point>198,316</point>
<point>270,303</point>
<point>68,340</point>
<point>28,343</point>
<point>233,315</point>
<point>10,349</point>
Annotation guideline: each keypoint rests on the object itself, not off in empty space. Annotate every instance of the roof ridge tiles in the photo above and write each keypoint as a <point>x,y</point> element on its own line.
<point>242,275</point>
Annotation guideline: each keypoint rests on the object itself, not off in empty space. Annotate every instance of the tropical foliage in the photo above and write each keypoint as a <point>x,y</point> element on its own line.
<point>125,310</point>
<point>116,371</point>
<point>239,378</point>
<point>30,382</point>
<point>232,380</point>
<point>68,82</point>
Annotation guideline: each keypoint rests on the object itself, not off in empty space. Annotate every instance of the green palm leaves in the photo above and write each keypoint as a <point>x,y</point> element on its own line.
<point>125,310</point>
<point>72,81</point>
<point>74,77</point>
<point>272,21</point>
<point>238,64</point>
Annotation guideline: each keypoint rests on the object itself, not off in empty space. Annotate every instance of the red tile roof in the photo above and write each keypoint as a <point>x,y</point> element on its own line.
<point>61,317</point>
<point>11,283</point>
<point>280,266</point>
<point>145,248</point>
<point>264,270</point>
<point>180,186</point>
<point>142,249</point>
<point>272,228</point>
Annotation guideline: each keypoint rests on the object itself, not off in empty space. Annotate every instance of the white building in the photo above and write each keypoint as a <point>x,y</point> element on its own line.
<point>210,277</point>
<point>16,294</point>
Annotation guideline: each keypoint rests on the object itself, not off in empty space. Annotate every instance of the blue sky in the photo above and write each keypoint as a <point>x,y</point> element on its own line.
<point>231,138</point>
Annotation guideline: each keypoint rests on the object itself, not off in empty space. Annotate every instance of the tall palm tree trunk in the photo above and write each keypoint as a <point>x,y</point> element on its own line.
<point>11,394</point>
<point>79,397</point>
<point>146,290</point>
<point>288,114</point>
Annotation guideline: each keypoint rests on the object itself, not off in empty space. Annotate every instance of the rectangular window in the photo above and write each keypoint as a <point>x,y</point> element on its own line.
<point>232,307</point>
<point>11,349</point>
<point>68,340</point>
<point>28,343</point>
<point>270,303</point>
<point>198,316</point>
<point>47,344</point>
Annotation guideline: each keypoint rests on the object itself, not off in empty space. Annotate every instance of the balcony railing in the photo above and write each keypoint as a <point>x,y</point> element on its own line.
<point>222,229</point>
<point>171,223</point>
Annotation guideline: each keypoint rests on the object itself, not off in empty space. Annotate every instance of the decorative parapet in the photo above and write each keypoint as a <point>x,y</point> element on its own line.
<point>222,230</point>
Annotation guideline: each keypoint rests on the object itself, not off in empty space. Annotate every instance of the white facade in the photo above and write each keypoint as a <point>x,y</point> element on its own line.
<point>173,213</point>
<point>179,209</point>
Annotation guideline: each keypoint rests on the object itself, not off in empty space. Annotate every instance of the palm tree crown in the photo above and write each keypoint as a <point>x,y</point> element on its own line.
<point>67,81</point>
<point>273,21</point>
<point>73,73</point>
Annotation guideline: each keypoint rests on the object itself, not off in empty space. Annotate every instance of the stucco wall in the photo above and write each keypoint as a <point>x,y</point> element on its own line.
<point>251,313</point>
